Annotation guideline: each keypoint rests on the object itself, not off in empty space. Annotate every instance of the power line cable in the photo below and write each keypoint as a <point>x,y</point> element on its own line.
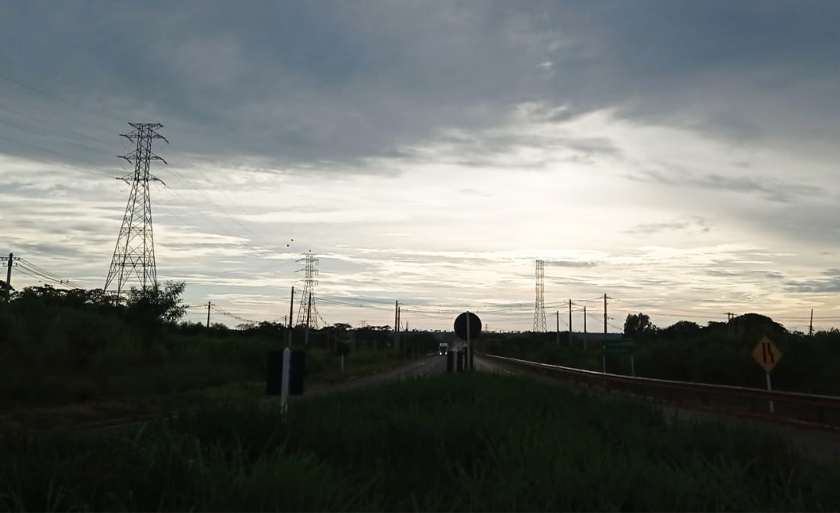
<point>45,150</point>
<point>54,97</point>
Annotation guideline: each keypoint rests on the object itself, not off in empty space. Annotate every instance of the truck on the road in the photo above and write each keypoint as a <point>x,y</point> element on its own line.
<point>443,348</point>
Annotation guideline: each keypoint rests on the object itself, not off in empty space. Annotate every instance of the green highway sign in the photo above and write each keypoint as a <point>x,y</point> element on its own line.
<point>623,346</point>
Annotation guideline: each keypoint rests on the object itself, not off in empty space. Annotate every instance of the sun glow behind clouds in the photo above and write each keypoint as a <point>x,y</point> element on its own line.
<point>454,227</point>
<point>437,153</point>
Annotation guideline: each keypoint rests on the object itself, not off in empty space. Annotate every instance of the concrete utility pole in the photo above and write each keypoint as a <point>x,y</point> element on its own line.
<point>557,313</point>
<point>729,327</point>
<point>397,326</point>
<point>291,306</point>
<point>208,314</point>
<point>469,344</point>
<point>570,323</point>
<point>584,320</point>
<point>9,275</point>
<point>605,314</point>
<point>811,324</point>
<point>585,338</point>
<point>10,262</point>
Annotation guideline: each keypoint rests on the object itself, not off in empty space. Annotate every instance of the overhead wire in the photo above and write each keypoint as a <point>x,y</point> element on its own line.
<point>83,146</point>
<point>46,274</point>
<point>240,238</point>
<point>45,150</point>
<point>54,97</point>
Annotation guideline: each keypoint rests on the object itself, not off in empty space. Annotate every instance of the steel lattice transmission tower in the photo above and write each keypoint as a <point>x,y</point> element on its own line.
<point>134,254</point>
<point>307,312</point>
<point>539,303</point>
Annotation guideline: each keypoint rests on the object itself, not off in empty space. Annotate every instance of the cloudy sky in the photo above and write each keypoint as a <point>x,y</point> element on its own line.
<point>679,156</point>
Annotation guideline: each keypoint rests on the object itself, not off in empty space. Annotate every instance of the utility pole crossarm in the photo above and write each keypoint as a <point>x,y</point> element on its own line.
<point>10,262</point>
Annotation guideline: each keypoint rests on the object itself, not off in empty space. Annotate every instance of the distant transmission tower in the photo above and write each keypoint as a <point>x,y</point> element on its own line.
<point>134,254</point>
<point>539,303</point>
<point>308,313</point>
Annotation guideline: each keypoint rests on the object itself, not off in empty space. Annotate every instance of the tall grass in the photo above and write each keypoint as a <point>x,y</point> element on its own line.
<point>59,348</point>
<point>809,364</point>
<point>462,443</point>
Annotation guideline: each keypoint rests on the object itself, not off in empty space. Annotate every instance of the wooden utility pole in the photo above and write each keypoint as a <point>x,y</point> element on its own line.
<point>811,324</point>
<point>208,315</point>
<point>557,313</point>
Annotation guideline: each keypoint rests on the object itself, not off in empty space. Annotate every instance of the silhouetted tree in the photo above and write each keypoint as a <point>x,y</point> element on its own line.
<point>150,308</point>
<point>682,330</point>
<point>638,324</point>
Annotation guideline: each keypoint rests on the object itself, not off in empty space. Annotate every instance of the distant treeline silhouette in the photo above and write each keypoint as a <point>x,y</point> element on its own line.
<point>64,346</point>
<point>716,353</point>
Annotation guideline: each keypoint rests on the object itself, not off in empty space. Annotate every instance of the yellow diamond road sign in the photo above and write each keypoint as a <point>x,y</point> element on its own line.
<point>767,354</point>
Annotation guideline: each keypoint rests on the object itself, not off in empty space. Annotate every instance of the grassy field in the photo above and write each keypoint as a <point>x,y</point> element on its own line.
<point>154,394</point>
<point>452,443</point>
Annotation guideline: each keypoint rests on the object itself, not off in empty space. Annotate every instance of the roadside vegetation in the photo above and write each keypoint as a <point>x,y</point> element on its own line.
<point>467,442</point>
<point>717,353</point>
<point>76,355</point>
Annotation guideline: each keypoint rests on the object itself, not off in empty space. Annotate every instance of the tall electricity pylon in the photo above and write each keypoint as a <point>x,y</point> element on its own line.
<point>539,303</point>
<point>307,312</point>
<point>134,254</point>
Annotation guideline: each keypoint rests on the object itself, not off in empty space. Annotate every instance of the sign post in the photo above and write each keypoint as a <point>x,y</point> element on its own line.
<point>767,354</point>
<point>468,327</point>
<point>618,347</point>
<point>284,387</point>
<point>469,347</point>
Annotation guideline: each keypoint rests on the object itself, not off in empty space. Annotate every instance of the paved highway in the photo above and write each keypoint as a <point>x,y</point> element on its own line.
<point>431,365</point>
<point>425,366</point>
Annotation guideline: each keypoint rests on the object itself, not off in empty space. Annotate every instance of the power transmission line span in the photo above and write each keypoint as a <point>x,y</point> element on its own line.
<point>308,312</point>
<point>539,303</point>
<point>134,254</point>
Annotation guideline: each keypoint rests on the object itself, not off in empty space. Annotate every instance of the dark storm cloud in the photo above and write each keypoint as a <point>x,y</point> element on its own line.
<point>808,223</point>
<point>653,228</point>
<point>571,263</point>
<point>723,273</point>
<point>829,284</point>
<point>329,82</point>
<point>775,190</point>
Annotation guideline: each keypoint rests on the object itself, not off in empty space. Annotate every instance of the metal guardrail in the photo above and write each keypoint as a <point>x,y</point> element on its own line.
<point>809,410</point>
